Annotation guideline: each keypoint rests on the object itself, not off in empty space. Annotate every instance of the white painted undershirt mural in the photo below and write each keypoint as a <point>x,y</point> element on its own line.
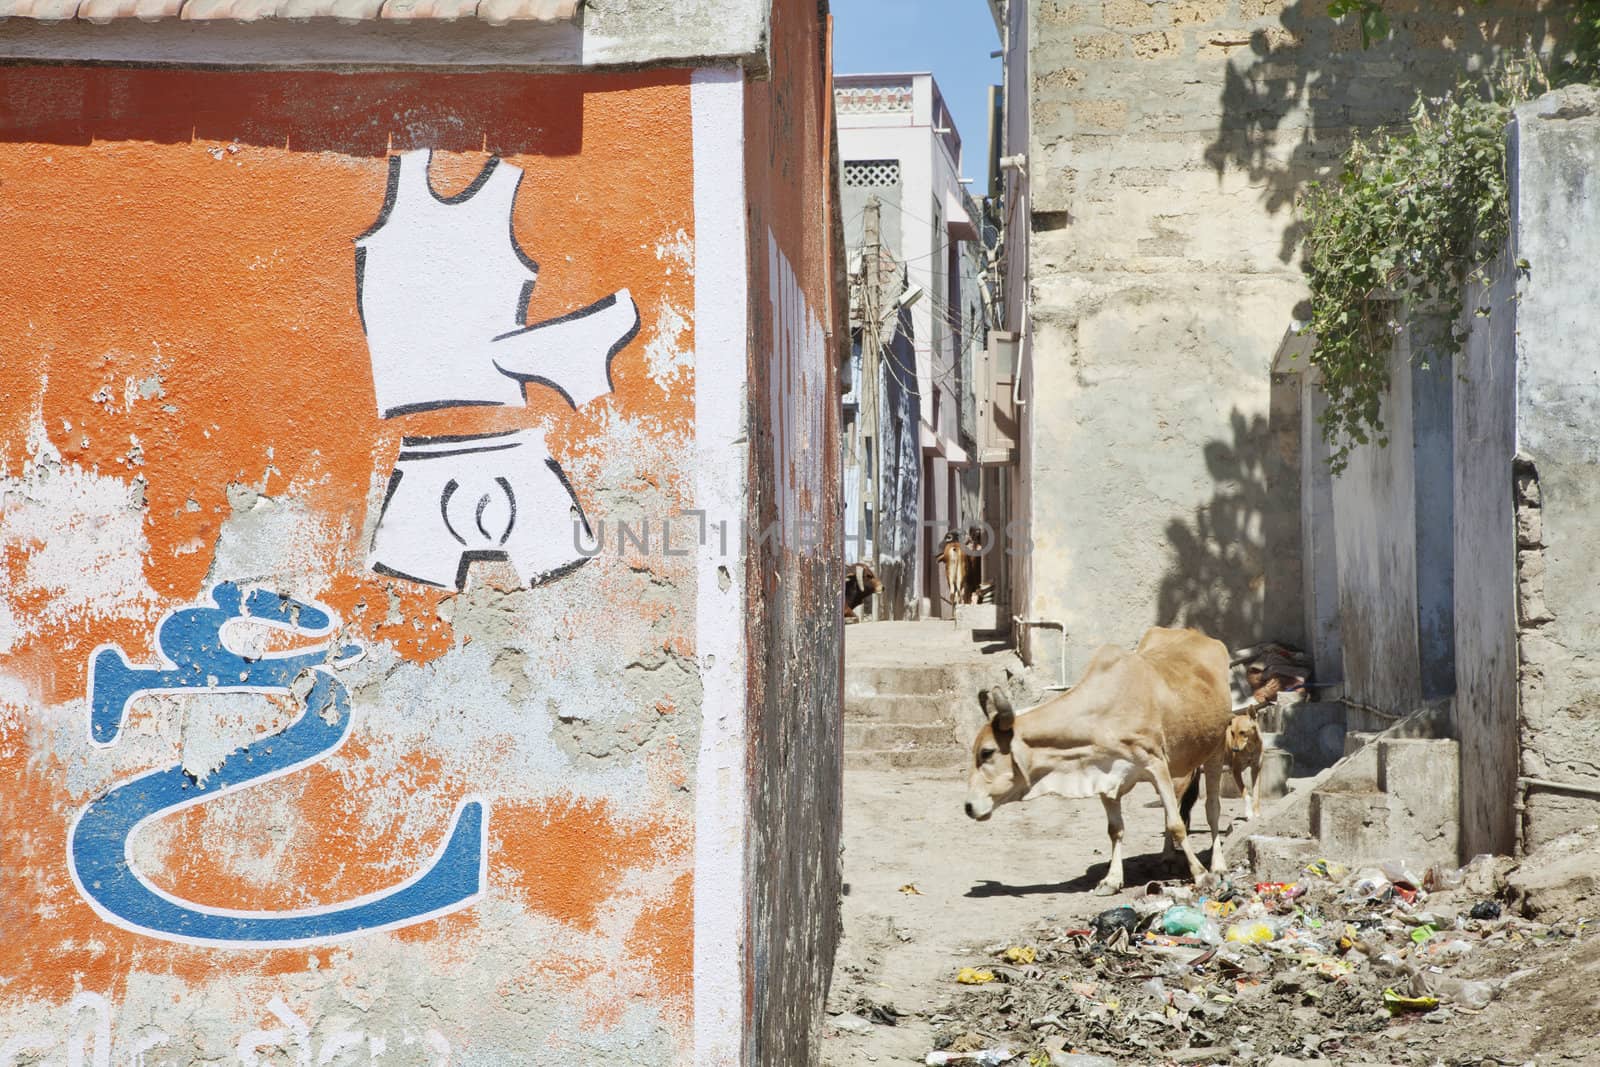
<point>443,290</point>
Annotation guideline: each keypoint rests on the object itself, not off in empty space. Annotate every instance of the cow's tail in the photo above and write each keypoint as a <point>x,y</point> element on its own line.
<point>1190,795</point>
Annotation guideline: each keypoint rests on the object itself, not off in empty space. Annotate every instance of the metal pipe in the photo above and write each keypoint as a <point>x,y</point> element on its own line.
<point>1018,621</point>
<point>1527,785</point>
<point>1530,784</point>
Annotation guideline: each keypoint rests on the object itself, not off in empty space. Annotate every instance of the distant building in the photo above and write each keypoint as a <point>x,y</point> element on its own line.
<point>900,150</point>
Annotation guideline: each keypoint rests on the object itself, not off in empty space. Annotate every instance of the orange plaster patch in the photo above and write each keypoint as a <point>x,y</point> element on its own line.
<point>565,858</point>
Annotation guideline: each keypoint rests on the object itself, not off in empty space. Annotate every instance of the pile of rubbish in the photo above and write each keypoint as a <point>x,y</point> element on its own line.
<point>1244,973</point>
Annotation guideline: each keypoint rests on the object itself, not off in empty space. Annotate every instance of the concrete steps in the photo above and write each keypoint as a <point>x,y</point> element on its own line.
<point>869,736</point>
<point>1391,796</point>
<point>914,716</point>
<point>900,707</point>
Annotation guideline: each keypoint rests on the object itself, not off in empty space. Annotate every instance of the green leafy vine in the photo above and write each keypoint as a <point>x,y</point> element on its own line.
<point>1414,216</point>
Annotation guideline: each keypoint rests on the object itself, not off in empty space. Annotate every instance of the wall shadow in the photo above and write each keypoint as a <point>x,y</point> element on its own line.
<point>1293,93</point>
<point>1236,570</point>
<point>1214,582</point>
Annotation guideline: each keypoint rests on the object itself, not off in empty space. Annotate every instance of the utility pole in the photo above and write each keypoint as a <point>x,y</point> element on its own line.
<point>871,348</point>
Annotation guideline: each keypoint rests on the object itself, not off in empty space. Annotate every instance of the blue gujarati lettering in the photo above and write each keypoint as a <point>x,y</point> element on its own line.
<point>196,658</point>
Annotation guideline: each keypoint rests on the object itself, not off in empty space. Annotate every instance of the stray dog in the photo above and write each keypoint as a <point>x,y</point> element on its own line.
<point>1244,749</point>
<point>860,583</point>
<point>1158,714</point>
<point>953,558</point>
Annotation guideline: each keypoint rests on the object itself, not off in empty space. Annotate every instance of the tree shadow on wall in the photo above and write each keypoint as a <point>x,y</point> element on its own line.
<point>1235,565</point>
<point>1214,579</point>
<point>1292,92</point>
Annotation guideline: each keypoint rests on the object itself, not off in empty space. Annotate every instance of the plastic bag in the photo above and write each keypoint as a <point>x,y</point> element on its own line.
<point>1404,871</point>
<point>1182,920</point>
<point>988,1057</point>
<point>1251,932</point>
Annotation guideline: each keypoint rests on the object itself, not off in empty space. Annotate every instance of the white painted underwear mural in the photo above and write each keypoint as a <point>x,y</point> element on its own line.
<point>443,290</point>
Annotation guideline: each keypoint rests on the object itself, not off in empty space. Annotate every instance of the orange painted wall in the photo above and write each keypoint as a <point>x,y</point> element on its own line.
<point>181,356</point>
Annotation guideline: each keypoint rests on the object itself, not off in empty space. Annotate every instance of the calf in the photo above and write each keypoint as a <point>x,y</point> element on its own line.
<point>1243,753</point>
<point>1157,714</point>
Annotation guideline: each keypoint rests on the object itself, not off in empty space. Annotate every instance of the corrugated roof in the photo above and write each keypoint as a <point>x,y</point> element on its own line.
<point>495,12</point>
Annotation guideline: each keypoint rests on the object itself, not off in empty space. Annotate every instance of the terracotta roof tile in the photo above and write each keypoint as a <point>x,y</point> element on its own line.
<point>109,10</point>
<point>443,10</point>
<point>50,10</point>
<point>495,12</point>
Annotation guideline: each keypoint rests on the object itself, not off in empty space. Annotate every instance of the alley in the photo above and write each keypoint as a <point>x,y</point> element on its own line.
<point>926,888</point>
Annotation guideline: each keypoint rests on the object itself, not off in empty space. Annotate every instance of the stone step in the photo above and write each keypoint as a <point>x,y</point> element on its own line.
<point>911,709</point>
<point>861,681</point>
<point>1350,825</point>
<point>1280,859</point>
<point>936,758</point>
<point>1422,780</point>
<point>867,736</point>
<point>1356,740</point>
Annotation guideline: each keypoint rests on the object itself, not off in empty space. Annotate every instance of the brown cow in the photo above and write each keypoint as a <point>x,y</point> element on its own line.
<point>861,582</point>
<point>1157,714</point>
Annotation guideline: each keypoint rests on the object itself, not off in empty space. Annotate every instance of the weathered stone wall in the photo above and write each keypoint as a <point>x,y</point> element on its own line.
<point>1169,143</point>
<point>1557,338</point>
<point>795,577</point>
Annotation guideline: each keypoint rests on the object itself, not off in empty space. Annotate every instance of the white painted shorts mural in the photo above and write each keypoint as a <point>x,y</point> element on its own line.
<point>443,290</point>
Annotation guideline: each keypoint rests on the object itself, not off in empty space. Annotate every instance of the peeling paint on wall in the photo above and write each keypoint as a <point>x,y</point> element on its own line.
<point>320,742</point>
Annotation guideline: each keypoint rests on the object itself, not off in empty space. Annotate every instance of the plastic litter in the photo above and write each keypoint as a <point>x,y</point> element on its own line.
<point>1182,920</point>
<point>1485,909</point>
<point>1080,1059</point>
<point>988,1057</point>
<point>1021,955</point>
<point>1251,932</point>
<point>1324,868</point>
<point>1109,922</point>
<point>1422,933</point>
<point>1454,949</point>
<point>1398,1003</point>
<point>1404,871</point>
<point>1370,884</point>
<point>974,976</point>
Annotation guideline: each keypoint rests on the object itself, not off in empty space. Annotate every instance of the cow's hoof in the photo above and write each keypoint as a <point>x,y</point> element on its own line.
<point>1107,889</point>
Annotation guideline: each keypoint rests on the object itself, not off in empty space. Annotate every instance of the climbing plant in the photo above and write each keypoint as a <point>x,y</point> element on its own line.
<point>1414,215</point>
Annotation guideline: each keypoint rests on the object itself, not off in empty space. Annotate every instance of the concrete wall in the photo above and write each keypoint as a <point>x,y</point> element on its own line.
<point>1557,231</point>
<point>795,628</point>
<point>303,620</point>
<point>1319,539</point>
<point>1169,143</point>
<point>1433,381</point>
<point>1375,531</point>
<point>1485,561</point>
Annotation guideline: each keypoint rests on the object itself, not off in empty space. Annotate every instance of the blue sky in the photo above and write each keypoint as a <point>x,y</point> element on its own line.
<point>952,38</point>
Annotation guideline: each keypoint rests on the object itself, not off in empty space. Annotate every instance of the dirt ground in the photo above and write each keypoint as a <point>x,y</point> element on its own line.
<point>977,883</point>
<point>1025,878</point>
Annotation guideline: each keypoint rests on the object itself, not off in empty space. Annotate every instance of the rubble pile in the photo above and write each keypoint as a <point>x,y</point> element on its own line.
<point>1251,972</point>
